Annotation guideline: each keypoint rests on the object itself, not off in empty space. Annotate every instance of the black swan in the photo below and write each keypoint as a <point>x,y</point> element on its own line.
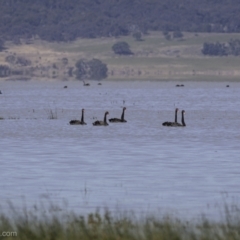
<point>172,124</point>
<point>85,84</point>
<point>117,120</point>
<point>77,122</point>
<point>102,123</point>
<point>183,122</point>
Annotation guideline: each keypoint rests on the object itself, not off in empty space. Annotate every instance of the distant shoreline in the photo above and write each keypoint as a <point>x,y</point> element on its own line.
<point>154,59</point>
<point>226,80</point>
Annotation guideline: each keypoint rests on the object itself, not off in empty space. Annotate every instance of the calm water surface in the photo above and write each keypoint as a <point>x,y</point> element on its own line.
<point>140,165</point>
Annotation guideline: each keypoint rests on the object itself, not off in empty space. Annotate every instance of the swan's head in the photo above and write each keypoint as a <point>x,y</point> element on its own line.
<point>183,112</point>
<point>176,109</point>
<point>106,113</point>
<point>124,108</point>
<point>83,110</point>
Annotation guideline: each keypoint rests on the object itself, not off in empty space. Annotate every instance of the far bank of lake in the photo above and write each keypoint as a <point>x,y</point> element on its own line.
<point>155,58</point>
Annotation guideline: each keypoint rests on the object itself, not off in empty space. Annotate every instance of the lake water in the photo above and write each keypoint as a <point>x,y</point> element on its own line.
<point>138,166</point>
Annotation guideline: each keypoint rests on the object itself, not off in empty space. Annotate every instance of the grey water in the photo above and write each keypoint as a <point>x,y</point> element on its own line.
<point>138,166</point>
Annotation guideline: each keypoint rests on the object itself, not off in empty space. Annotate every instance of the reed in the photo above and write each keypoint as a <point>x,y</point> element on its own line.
<point>52,114</point>
<point>49,225</point>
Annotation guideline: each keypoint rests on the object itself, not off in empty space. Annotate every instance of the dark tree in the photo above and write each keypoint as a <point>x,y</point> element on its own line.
<point>65,61</point>
<point>234,47</point>
<point>165,33</point>
<point>222,49</point>
<point>122,48</point>
<point>93,69</point>
<point>137,36</point>
<point>70,71</point>
<point>168,37</point>
<point>97,69</point>
<point>23,61</point>
<point>10,59</point>
<point>215,49</point>
<point>4,71</point>
<point>82,69</point>
<point>177,34</point>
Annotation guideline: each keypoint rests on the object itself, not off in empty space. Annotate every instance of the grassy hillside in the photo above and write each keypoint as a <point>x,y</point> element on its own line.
<point>155,58</point>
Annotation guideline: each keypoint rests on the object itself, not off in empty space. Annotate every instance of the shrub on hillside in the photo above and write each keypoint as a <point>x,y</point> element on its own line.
<point>4,71</point>
<point>94,69</point>
<point>122,48</point>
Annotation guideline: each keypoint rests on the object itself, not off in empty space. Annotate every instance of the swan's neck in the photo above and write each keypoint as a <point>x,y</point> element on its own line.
<point>175,116</point>
<point>105,118</point>
<point>82,118</point>
<point>122,117</point>
<point>183,122</point>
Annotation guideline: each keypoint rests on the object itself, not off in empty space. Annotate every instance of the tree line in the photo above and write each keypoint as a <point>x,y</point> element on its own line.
<point>222,49</point>
<point>66,20</point>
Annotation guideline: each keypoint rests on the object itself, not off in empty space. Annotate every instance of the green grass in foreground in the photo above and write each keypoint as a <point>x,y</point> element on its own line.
<point>48,225</point>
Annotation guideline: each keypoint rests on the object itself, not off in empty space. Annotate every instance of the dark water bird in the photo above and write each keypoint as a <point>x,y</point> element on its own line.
<point>182,85</point>
<point>119,120</point>
<point>171,124</point>
<point>176,124</point>
<point>65,87</point>
<point>78,122</point>
<point>102,123</point>
<point>85,84</point>
<point>183,122</point>
<point>99,83</point>
<point>227,86</point>
<point>177,85</point>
